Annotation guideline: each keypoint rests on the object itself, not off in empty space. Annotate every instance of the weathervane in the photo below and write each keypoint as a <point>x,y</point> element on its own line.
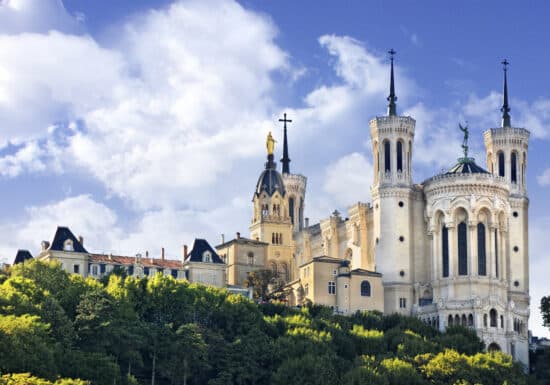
<point>465,140</point>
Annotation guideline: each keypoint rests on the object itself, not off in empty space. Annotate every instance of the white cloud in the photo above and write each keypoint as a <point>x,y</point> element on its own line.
<point>544,178</point>
<point>539,263</point>
<point>348,180</point>
<point>27,158</point>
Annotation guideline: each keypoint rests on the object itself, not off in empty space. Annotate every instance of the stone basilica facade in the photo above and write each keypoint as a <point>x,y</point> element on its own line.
<point>450,250</point>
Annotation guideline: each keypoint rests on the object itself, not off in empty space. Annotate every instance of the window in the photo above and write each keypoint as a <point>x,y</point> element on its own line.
<point>332,287</point>
<point>403,303</point>
<point>207,257</point>
<point>68,245</point>
<point>496,253</point>
<point>513,168</point>
<point>102,268</point>
<point>485,320</point>
<point>387,156</point>
<point>291,209</point>
<point>334,272</point>
<point>306,289</point>
<point>399,156</point>
<point>131,270</point>
<point>145,271</point>
<point>493,316</point>
<point>95,270</point>
<point>502,322</point>
<point>251,258</point>
<point>174,273</point>
<point>445,250</point>
<point>265,210</point>
<point>470,320</point>
<point>450,321</point>
<point>500,156</point>
<point>76,269</point>
<point>463,320</point>
<point>462,249</point>
<point>365,289</point>
<point>481,250</point>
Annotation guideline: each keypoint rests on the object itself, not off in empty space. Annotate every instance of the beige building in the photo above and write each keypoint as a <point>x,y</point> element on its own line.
<point>450,250</point>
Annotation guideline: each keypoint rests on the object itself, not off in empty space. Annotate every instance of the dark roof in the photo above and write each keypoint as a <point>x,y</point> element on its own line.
<point>241,241</point>
<point>157,263</point>
<point>466,166</point>
<point>365,272</point>
<point>199,247</point>
<point>326,259</point>
<point>61,235</point>
<point>270,179</point>
<point>22,256</point>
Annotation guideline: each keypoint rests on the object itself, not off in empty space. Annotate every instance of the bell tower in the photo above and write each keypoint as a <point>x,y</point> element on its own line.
<point>394,206</point>
<point>271,222</point>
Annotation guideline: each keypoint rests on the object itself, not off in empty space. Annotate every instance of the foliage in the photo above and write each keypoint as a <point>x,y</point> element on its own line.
<point>55,326</point>
<point>545,310</point>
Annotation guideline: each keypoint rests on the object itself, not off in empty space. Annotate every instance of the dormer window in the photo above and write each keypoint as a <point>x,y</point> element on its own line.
<point>207,257</point>
<point>68,245</point>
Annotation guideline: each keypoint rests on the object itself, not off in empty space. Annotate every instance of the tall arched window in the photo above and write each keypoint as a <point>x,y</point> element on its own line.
<point>496,253</point>
<point>462,249</point>
<point>481,250</point>
<point>291,208</point>
<point>500,157</point>
<point>450,321</point>
<point>399,156</point>
<point>493,317</point>
<point>445,250</point>
<point>513,167</point>
<point>470,320</point>
<point>387,156</point>
<point>365,289</point>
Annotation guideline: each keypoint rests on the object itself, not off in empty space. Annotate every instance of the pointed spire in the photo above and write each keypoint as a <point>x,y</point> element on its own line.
<point>505,107</point>
<point>392,108</point>
<point>285,160</point>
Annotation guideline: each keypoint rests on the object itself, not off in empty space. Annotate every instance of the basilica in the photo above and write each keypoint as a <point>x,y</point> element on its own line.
<point>451,250</point>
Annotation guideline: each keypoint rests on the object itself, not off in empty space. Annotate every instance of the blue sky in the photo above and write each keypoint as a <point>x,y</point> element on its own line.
<point>141,124</point>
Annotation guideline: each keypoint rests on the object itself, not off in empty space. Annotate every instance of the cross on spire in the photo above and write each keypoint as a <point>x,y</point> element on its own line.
<point>392,108</point>
<point>285,160</point>
<point>505,107</point>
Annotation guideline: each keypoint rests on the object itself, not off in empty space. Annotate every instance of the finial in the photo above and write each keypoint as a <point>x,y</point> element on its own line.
<point>465,140</point>
<point>392,109</point>
<point>505,107</point>
<point>285,160</point>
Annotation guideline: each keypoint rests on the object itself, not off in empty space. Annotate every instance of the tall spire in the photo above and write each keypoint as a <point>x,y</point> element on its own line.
<point>392,108</point>
<point>505,107</point>
<point>285,160</point>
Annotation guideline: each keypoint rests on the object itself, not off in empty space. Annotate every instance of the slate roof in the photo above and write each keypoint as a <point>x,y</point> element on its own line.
<point>22,256</point>
<point>270,179</point>
<point>326,259</point>
<point>157,263</point>
<point>61,235</point>
<point>365,272</point>
<point>199,247</point>
<point>466,166</point>
<point>241,241</point>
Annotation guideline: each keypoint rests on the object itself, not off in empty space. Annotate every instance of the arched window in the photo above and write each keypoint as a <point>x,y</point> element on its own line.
<point>284,271</point>
<point>457,319</point>
<point>399,155</point>
<point>251,258</point>
<point>493,316</point>
<point>470,320</point>
<point>485,320</point>
<point>514,168</point>
<point>450,322</point>
<point>501,321</point>
<point>387,156</point>
<point>274,267</point>
<point>462,249</point>
<point>500,157</point>
<point>464,322</point>
<point>365,289</point>
<point>445,250</point>
<point>481,250</point>
<point>496,253</point>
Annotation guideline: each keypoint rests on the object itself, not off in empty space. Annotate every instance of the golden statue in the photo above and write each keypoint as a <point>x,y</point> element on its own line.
<point>270,144</point>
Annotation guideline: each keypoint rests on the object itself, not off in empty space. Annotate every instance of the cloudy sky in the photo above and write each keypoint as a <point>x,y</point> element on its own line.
<point>141,124</point>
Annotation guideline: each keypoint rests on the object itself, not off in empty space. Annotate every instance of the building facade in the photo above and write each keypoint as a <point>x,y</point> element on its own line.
<point>449,250</point>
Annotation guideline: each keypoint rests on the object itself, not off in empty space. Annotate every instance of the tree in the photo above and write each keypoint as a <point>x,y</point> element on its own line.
<point>267,285</point>
<point>545,310</point>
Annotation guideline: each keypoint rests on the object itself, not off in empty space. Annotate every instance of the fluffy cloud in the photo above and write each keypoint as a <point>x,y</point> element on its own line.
<point>348,180</point>
<point>538,273</point>
<point>544,178</point>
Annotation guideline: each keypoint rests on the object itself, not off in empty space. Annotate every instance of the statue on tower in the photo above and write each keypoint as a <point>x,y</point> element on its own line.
<point>270,144</point>
<point>465,140</point>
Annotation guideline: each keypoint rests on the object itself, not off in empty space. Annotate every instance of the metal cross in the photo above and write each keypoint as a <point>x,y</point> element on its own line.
<point>285,120</point>
<point>505,63</point>
<point>391,52</point>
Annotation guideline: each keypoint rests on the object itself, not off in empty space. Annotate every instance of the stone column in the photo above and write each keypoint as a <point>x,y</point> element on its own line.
<point>472,248</point>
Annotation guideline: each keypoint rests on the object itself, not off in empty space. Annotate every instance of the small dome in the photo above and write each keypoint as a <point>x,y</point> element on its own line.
<point>466,166</point>
<point>270,179</point>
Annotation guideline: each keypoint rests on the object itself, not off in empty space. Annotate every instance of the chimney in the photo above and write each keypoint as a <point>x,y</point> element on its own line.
<point>184,252</point>
<point>223,239</point>
<point>45,245</point>
<point>81,240</point>
<point>307,222</point>
<point>238,235</point>
<point>162,253</point>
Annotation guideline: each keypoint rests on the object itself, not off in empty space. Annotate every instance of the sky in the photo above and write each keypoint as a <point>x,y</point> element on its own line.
<point>141,124</point>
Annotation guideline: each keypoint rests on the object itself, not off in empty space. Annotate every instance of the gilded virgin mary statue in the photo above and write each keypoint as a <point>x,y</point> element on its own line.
<point>270,144</point>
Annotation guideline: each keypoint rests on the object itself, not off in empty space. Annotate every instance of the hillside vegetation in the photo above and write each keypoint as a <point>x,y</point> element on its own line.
<point>55,327</point>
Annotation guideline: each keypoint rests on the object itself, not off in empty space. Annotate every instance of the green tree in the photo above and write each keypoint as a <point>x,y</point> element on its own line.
<point>545,310</point>
<point>267,285</point>
<point>308,369</point>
